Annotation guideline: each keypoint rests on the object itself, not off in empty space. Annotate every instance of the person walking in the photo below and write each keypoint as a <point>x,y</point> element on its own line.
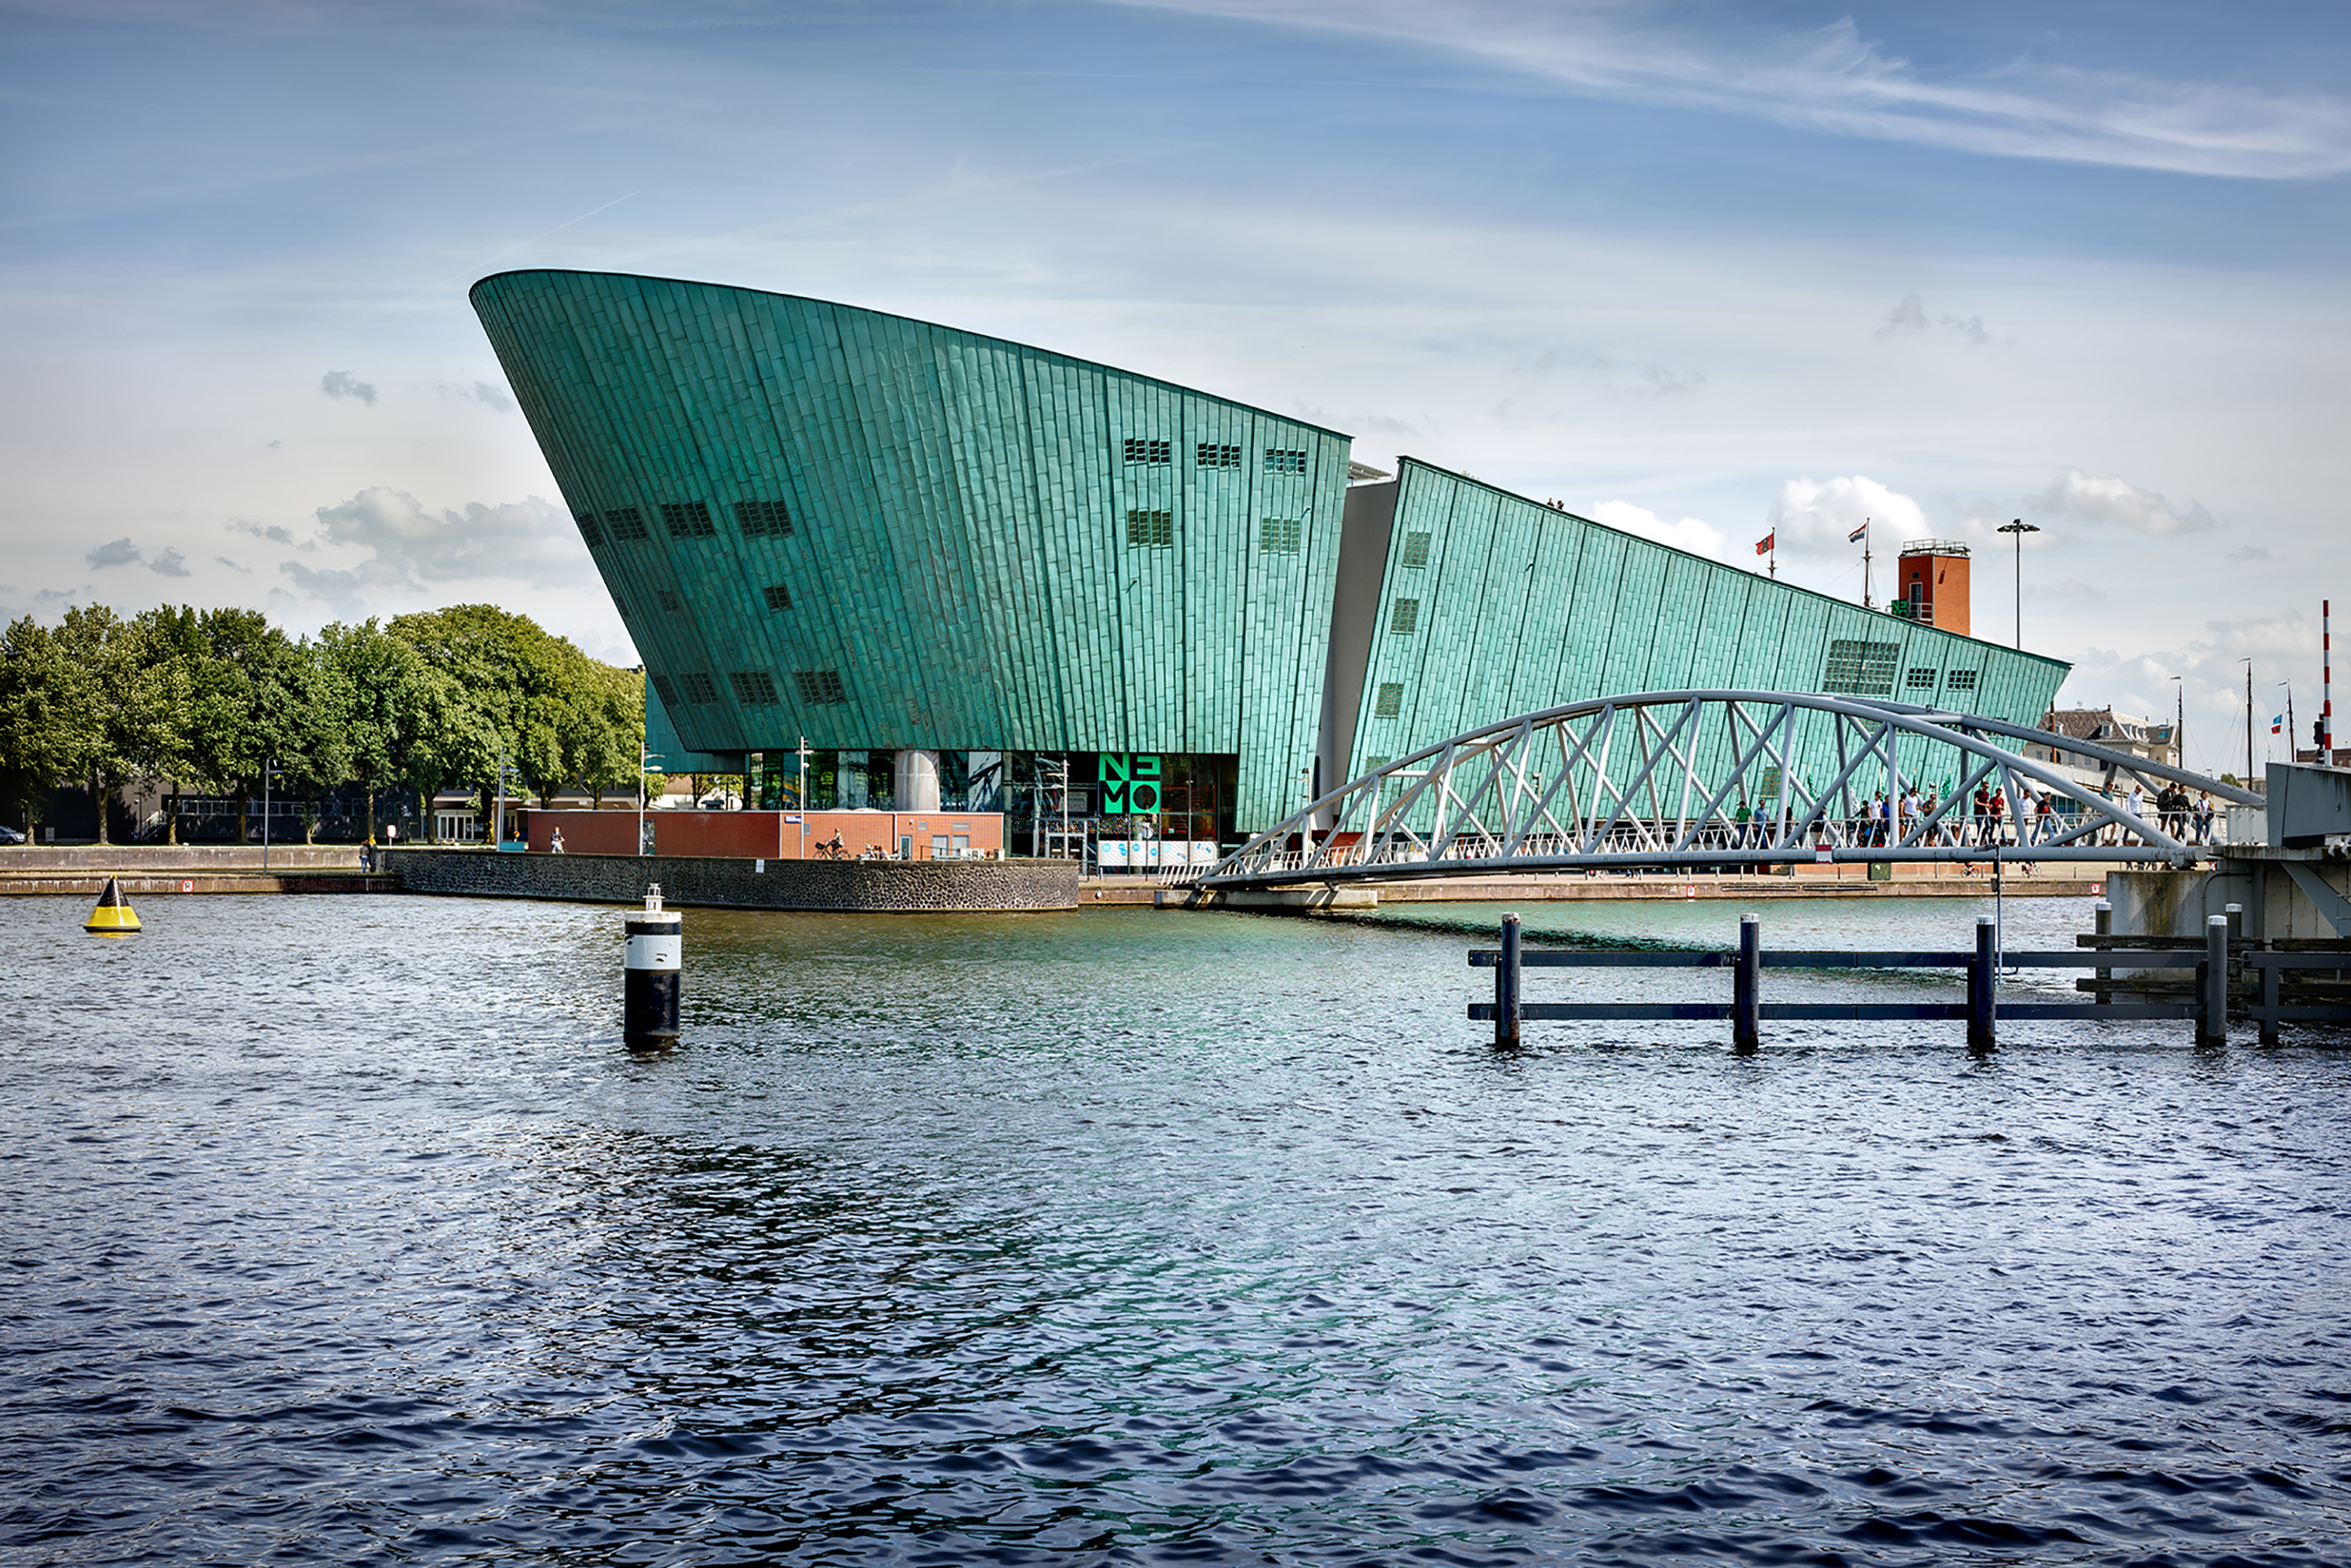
<point>555,845</point>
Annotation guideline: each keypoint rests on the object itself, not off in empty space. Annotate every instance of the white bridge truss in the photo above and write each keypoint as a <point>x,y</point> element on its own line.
<point>1656,780</point>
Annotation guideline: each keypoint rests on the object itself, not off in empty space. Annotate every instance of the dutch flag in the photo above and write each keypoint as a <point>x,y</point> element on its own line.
<point>1854,538</point>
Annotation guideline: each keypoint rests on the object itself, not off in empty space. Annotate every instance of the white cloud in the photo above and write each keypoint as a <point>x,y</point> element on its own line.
<point>1689,534</point>
<point>1824,512</point>
<point>1909,320</point>
<point>410,548</point>
<point>342,383</point>
<point>171,563</point>
<point>114,553</point>
<point>1834,80</point>
<point>484,392</point>
<point>2116,502</point>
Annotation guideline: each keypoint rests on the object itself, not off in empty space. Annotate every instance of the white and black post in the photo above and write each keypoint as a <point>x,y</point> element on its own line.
<point>655,957</point>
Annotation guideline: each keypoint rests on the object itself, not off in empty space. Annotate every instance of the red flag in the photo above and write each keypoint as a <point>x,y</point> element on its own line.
<point>1764,544</point>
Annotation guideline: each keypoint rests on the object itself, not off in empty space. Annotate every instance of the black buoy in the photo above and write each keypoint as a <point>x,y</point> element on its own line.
<point>655,957</point>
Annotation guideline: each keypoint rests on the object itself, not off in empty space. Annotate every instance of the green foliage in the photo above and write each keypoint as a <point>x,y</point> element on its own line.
<point>209,698</point>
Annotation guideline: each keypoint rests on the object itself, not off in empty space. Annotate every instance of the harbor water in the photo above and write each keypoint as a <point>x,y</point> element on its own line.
<point>344,1230</point>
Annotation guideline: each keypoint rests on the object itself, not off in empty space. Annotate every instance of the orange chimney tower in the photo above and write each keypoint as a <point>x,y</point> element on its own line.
<point>1932,581</point>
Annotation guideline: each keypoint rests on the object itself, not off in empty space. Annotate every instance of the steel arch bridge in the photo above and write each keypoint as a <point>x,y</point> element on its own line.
<point>1656,781</point>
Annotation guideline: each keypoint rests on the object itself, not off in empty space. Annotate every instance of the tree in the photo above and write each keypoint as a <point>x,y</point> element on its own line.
<point>257,699</point>
<point>603,744</point>
<point>374,682</point>
<point>135,695</point>
<point>47,730</point>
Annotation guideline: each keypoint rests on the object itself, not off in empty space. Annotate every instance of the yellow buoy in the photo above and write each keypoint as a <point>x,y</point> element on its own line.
<point>113,917</point>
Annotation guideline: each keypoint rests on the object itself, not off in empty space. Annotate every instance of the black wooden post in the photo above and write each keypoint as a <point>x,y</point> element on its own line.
<point>2213,984</point>
<point>2101,919</point>
<point>1980,974</point>
<point>2269,992</point>
<point>1506,984</point>
<point>1746,1020</point>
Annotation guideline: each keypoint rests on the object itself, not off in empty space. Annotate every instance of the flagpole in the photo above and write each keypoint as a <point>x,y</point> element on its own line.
<point>1865,603</point>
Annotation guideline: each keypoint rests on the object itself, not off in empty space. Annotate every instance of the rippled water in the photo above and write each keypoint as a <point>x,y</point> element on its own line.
<point>342,1230</point>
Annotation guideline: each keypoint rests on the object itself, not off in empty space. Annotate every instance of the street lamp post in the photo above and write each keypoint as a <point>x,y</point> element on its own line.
<point>2020,528</point>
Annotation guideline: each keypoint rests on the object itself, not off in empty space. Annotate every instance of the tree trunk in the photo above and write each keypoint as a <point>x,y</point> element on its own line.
<point>98,794</point>
<point>243,816</point>
<point>370,812</point>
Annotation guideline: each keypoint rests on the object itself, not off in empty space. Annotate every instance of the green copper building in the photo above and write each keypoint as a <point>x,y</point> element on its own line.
<point>982,576</point>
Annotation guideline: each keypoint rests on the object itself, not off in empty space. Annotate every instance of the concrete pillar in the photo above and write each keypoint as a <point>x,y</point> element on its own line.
<point>915,783</point>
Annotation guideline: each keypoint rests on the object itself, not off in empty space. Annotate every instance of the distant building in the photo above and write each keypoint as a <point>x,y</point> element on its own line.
<point>2107,728</point>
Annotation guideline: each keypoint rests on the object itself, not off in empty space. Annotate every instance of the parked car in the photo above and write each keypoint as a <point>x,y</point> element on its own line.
<point>11,836</point>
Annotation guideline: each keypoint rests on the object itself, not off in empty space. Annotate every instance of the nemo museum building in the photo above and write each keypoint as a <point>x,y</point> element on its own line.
<point>975,576</point>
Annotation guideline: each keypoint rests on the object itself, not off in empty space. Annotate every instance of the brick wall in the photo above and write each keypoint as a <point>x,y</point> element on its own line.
<point>761,834</point>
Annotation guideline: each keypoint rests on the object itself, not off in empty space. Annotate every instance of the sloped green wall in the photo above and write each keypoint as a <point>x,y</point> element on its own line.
<point>959,553</point>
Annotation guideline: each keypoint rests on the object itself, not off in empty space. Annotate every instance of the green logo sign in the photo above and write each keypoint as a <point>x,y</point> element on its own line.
<point>1130,784</point>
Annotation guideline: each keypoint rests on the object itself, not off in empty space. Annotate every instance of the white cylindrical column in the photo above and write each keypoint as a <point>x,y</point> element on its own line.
<point>656,954</point>
<point>915,781</point>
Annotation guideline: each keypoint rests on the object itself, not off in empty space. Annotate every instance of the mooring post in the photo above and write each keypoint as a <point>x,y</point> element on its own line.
<point>1746,1017</point>
<point>2235,913</point>
<point>1506,984</point>
<point>2270,998</point>
<point>2102,917</point>
<point>1981,972</point>
<point>2212,1015</point>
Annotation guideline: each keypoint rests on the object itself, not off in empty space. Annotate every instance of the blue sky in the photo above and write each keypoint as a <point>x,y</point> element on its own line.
<point>1698,270</point>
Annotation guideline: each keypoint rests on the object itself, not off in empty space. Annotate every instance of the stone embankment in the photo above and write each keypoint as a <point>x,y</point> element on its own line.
<point>909,886</point>
<point>83,868</point>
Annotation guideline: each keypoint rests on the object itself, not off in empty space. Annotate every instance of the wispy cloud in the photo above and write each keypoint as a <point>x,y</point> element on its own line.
<point>342,383</point>
<point>1833,79</point>
<point>2116,502</point>
<point>171,563</point>
<point>411,546</point>
<point>1909,320</point>
<point>114,553</point>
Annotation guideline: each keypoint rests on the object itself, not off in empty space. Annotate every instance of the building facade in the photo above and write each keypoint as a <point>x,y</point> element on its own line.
<point>972,575</point>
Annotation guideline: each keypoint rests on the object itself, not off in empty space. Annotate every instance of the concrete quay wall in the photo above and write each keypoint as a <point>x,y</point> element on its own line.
<point>691,881</point>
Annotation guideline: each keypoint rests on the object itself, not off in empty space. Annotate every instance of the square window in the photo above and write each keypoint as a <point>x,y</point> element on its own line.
<point>779,597</point>
<point>587,528</point>
<point>1140,449</point>
<point>763,519</point>
<point>1278,460</point>
<point>626,523</point>
<point>1404,619</point>
<point>1959,680</point>
<point>1390,702</point>
<point>1280,535</point>
<point>668,599</point>
<point>1860,669</point>
<point>1416,550</point>
<point>1153,531</point>
<point>1212,456</point>
<point>754,688</point>
<point>1919,680</point>
<point>687,519</point>
<point>818,687</point>
<point>665,689</point>
<point>700,689</point>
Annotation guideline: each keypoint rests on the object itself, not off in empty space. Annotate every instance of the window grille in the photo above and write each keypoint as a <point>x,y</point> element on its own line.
<point>1404,619</point>
<point>668,599</point>
<point>1280,536</point>
<point>1390,702</point>
<point>626,523</point>
<point>1959,680</point>
<point>1140,450</point>
<point>1279,461</point>
<point>1860,669</point>
<point>587,528</point>
<point>1212,456</point>
<point>665,689</point>
<point>1920,680</point>
<point>754,688</point>
<point>700,688</point>
<point>763,519</point>
<point>779,598</point>
<point>817,686</point>
<point>687,519</point>
<point>1416,550</point>
<point>1155,530</point>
